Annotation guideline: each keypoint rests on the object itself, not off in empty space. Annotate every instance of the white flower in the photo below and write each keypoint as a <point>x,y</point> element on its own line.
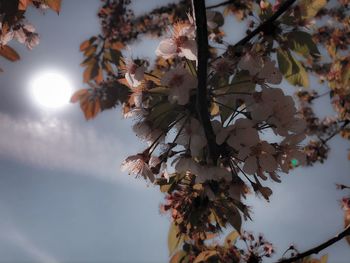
<point>270,73</point>
<point>6,37</point>
<point>277,109</point>
<point>134,74</point>
<point>264,70</point>
<point>181,43</point>
<point>258,157</point>
<point>239,135</point>
<point>251,62</point>
<point>137,165</point>
<point>193,136</point>
<point>144,131</point>
<point>184,165</point>
<point>213,173</point>
<point>291,152</point>
<point>180,83</point>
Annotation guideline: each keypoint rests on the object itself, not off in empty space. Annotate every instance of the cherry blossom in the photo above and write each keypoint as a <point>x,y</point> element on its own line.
<point>138,165</point>
<point>241,134</point>
<point>134,74</point>
<point>181,43</point>
<point>260,156</point>
<point>263,69</point>
<point>193,137</point>
<point>291,151</point>
<point>180,82</point>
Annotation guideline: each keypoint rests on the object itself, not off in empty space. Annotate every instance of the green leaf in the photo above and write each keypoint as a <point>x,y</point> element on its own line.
<point>205,255</point>
<point>309,8</point>
<point>292,69</point>
<point>302,43</point>
<point>234,218</point>
<point>324,259</point>
<point>231,239</point>
<point>241,83</point>
<point>174,238</point>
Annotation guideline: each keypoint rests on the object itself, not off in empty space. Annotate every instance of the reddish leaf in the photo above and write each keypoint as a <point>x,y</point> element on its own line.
<point>9,53</point>
<point>79,95</point>
<point>23,4</point>
<point>54,5</point>
<point>84,45</point>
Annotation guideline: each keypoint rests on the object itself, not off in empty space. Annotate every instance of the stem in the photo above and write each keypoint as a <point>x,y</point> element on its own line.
<point>284,7</point>
<point>220,4</point>
<point>202,98</point>
<point>315,250</point>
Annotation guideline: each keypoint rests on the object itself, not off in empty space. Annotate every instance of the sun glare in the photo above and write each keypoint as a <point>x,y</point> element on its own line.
<point>51,89</point>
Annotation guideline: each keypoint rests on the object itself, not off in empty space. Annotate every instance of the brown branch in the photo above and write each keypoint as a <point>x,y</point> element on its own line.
<point>202,104</point>
<point>315,250</point>
<point>284,7</point>
<point>220,4</point>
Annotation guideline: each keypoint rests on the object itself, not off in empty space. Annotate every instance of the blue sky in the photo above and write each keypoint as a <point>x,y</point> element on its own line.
<point>63,196</point>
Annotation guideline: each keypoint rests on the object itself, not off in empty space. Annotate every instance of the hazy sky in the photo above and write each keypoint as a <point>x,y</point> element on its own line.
<point>63,197</point>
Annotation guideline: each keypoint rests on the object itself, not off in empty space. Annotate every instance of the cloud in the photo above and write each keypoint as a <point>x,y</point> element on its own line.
<point>12,234</point>
<point>60,145</point>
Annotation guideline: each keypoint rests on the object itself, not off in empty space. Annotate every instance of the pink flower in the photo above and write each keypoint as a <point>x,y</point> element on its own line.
<point>258,158</point>
<point>180,83</point>
<point>193,137</point>
<point>262,69</point>
<point>138,165</point>
<point>134,74</point>
<point>239,135</point>
<point>182,42</point>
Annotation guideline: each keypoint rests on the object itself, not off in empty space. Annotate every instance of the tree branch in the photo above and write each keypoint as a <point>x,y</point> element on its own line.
<point>220,4</point>
<point>315,250</point>
<point>284,7</point>
<point>202,104</point>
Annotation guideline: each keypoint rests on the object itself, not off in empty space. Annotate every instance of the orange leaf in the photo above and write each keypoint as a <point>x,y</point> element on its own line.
<point>85,45</point>
<point>347,222</point>
<point>54,5</point>
<point>87,72</point>
<point>99,77</point>
<point>117,46</point>
<point>79,95</point>
<point>23,4</point>
<point>9,53</point>
<point>90,108</point>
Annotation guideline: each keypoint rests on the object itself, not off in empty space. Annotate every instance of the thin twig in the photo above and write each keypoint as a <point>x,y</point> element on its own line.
<point>220,4</point>
<point>315,250</point>
<point>284,7</point>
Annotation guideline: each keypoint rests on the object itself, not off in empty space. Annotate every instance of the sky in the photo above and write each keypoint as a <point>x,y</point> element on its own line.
<point>63,197</point>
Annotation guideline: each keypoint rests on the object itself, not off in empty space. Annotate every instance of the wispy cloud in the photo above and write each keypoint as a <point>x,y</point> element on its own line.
<point>57,144</point>
<point>9,232</point>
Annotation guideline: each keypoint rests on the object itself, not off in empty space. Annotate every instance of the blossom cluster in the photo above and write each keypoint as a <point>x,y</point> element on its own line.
<point>162,103</point>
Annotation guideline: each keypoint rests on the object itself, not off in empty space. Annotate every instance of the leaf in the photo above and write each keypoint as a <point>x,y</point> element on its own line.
<point>9,53</point>
<point>174,238</point>
<point>23,4</point>
<point>204,256</point>
<point>79,95</point>
<point>179,257</point>
<point>234,218</point>
<point>87,43</point>
<point>292,69</point>
<point>231,238</point>
<point>54,5</point>
<point>324,259</point>
<point>309,8</point>
<point>302,43</point>
<point>90,105</point>
<point>347,223</point>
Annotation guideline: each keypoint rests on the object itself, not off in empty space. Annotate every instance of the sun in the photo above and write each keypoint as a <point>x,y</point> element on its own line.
<point>51,89</point>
